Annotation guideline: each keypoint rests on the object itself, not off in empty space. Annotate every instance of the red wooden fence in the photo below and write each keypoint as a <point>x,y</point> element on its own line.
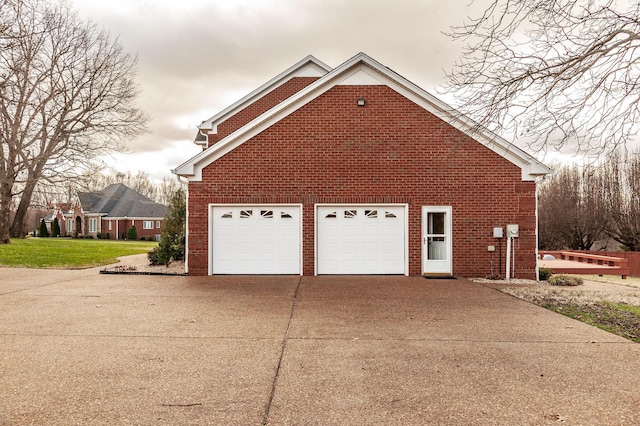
<point>632,256</point>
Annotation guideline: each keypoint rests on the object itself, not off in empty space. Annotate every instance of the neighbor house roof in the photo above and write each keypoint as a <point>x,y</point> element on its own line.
<point>118,200</point>
<point>359,70</point>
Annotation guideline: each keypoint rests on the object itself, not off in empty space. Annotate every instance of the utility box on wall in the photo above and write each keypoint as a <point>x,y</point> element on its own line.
<point>497,232</point>
<point>513,231</point>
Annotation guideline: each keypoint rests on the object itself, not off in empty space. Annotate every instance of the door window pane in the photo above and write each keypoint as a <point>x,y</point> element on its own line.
<point>436,223</point>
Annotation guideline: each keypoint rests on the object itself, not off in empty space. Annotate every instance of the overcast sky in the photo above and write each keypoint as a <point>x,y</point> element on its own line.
<point>198,56</point>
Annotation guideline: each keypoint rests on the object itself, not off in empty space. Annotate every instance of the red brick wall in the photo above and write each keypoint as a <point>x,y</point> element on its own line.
<point>263,104</point>
<point>121,226</point>
<point>390,151</point>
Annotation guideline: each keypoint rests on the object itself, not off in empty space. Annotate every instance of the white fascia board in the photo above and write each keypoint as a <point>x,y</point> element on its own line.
<point>307,67</point>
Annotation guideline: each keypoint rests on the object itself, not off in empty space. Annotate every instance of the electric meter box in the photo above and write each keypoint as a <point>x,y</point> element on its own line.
<point>497,232</point>
<point>513,231</point>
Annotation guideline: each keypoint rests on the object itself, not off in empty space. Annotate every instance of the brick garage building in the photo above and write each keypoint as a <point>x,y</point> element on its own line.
<point>354,170</point>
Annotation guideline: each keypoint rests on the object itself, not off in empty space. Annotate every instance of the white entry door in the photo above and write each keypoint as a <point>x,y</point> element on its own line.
<point>367,239</point>
<point>255,239</point>
<point>436,240</point>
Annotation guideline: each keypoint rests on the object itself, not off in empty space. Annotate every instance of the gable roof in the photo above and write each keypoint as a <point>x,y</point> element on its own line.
<point>118,200</point>
<point>307,67</point>
<point>363,70</point>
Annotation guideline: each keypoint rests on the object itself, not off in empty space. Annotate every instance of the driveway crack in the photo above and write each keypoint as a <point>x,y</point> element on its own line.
<point>283,346</point>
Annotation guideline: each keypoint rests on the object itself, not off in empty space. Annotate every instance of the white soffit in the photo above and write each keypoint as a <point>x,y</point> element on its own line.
<point>310,69</point>
<point>361,78</point>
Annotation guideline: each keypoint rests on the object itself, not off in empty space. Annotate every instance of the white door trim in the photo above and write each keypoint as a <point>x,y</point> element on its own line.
<point>406,227</point>
<point>210,227</point>
<point>444,268</point>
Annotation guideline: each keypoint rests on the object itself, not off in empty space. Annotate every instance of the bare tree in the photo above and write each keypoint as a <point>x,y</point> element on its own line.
<point>46,195</point>
<point>572,209</point>
<point>623,198</point>
<point>556,73</point>
<point>67,94</point>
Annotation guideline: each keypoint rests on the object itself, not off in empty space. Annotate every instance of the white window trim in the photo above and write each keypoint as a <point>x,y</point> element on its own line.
<point>146,223</point>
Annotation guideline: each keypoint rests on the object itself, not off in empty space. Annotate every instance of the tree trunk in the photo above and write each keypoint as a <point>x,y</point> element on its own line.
<point>17,226</point>
<point>5,212</point>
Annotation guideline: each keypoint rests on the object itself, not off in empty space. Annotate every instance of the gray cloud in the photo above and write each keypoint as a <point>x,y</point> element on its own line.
<point>197,57</point>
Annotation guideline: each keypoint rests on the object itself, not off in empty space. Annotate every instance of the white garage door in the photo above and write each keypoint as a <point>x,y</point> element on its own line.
<point>255,239</point>
<point>361,239</point>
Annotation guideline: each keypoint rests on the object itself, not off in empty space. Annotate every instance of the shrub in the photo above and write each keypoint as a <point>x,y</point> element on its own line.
<point>55,228</point>
<point>153,257</point>
<point>107,236</point>
<point>132,233</point>
<point>43,231</point>
<point>172,239</point>
<point>544,274</point>
<point>565,280</point>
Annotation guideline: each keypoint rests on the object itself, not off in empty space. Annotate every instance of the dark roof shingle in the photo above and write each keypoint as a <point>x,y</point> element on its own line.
<point>118,200</point>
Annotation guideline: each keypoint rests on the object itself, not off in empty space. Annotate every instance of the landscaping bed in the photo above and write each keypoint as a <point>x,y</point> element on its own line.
<point>606,302</point>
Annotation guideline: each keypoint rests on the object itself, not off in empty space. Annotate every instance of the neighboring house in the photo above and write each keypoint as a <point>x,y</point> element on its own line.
<point>66,213</point>
<point>354,170</point>
<point>111,212</point>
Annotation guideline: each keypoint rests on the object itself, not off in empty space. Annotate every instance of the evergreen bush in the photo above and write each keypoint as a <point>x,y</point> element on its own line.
<point>153,256</point>
<point>132,234</point>
<point>172,239</point>
<point>55,228</point>
<point>43,231</point>
<point>544,274</point>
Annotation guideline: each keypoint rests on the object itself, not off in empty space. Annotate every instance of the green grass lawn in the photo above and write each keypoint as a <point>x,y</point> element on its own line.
<point>68,253</point>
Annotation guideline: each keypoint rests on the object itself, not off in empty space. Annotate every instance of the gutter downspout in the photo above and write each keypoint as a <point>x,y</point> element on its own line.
<point>538,180</point>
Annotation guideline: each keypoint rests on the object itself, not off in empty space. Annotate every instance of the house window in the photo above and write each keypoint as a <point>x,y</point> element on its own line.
<point>147,224</point>
<point>69,226</point>
<point>157,224</point>
<point>109,225</point>
<point>93,224</point>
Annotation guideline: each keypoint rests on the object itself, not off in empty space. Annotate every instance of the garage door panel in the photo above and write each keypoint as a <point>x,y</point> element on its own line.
<point>361,239</point>
<point>255,240</point>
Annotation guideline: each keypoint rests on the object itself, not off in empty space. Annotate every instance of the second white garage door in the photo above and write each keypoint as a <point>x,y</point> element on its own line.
<point>361,239</point>
<point>255,239</point>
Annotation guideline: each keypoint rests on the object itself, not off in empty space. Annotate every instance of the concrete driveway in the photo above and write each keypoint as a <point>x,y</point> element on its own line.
<point>77,347</point>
